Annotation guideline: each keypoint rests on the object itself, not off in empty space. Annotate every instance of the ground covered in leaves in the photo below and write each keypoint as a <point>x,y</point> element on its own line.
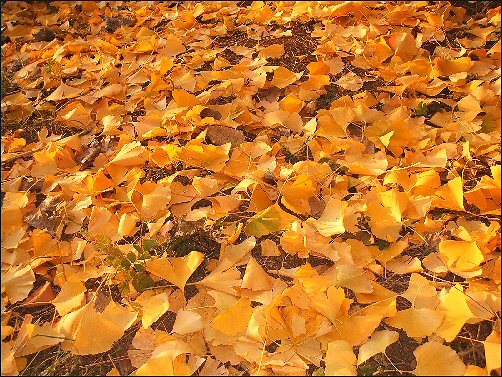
<point>236,188</point>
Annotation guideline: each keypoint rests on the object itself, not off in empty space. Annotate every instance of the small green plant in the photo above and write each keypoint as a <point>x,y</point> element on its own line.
<point>421,109</point>
<point>8,84</point>
<point>318,372</point>
<point>427,110</point>
<point>332,164</point>
<point>131,264</point>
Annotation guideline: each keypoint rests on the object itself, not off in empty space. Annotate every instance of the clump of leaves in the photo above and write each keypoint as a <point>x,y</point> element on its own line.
<point>8,84</point>
<point>427,110</point>
<point>131,264</point>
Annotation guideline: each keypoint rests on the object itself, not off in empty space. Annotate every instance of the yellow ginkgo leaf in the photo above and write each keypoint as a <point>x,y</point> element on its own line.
<point>350,82</point>
<point>235,319</point>
<point>450,195</point>
<point>183,98</point>
<point>255,277</point>
<point>318,68</point>
<point>461,255</point>
<point>287,119</point>
<point>130,154</point>
<point>474,370</point>
<point>153,307</point>
<point>177,270</point>
<point>421,293</point>
<point>155,200</point>
<point>187,321</point>
<point>492,352</point>
<point>210,157</point>
<point>71,296</point>
<point>291,104</point>
<point>173,46</point>
<point>296,195</point>
<point>157,366</point>
<point>456,312</point>
<point>98,331</point>
<point>284,77</point>
<point>417,323</point>
<point>167,359</point>
<point>436,359</point>
<point>331,220</point>
<point>64,91</point>
<point>328,303</point>
<point>38,338</point>
<point>340,359</point>
<point>17,282</point>
<point>379,341</point>
<point>268,221</point>
<point>272,51</point>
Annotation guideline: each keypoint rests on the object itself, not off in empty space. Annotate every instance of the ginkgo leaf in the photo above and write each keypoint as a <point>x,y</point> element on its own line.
<point>331,220</point>
<point>129,155</point>
<point>255,277</point>
<point>378,342</point>
<point>155,201</point>
<point>71,296</point>
<point>153,307</point>
<point>223,279</point>
<point>17,282</point>
<point>456,312</point>
<point>492,352</point>
<point>272,51</point>
<point>177,270</point>
<point>235,319</point>
<point>38,338</point>
<point>336,134</point>
<point>162,363</point>
<point>64,91</point>
<point>296,196</point>
<point>283,77</point>
<point>291,120</point>
<point>350,82</point>
<point>183,98</point>
<point>187,321</point>
<point>421,293</point>
<point>352,277</point>
<point>417,323</point>
<point>213,367</point>
<point>450,195</point>
<point>268,221</point>
<point>462,255</point>
<point>98,331</point>
<point>340,359</point>
<point>328,303</point>
<point>436,359</point>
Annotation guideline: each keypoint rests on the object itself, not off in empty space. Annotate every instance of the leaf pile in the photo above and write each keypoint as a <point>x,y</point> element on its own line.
<point>229,188</point>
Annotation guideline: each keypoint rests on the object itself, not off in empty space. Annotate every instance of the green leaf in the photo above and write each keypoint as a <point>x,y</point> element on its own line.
<point>139,267</point>
<point>422,109</point>
<point>318,372</point>
<point>142,281</point>
<point>149,244</point>
<point>125,263</point>
<point>124,287</point>
<point>131,257</point>
<point>382,244</point>
<point>268,221</point>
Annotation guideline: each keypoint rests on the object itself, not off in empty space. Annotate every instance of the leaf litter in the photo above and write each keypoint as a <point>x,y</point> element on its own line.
<point>237,188</point>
